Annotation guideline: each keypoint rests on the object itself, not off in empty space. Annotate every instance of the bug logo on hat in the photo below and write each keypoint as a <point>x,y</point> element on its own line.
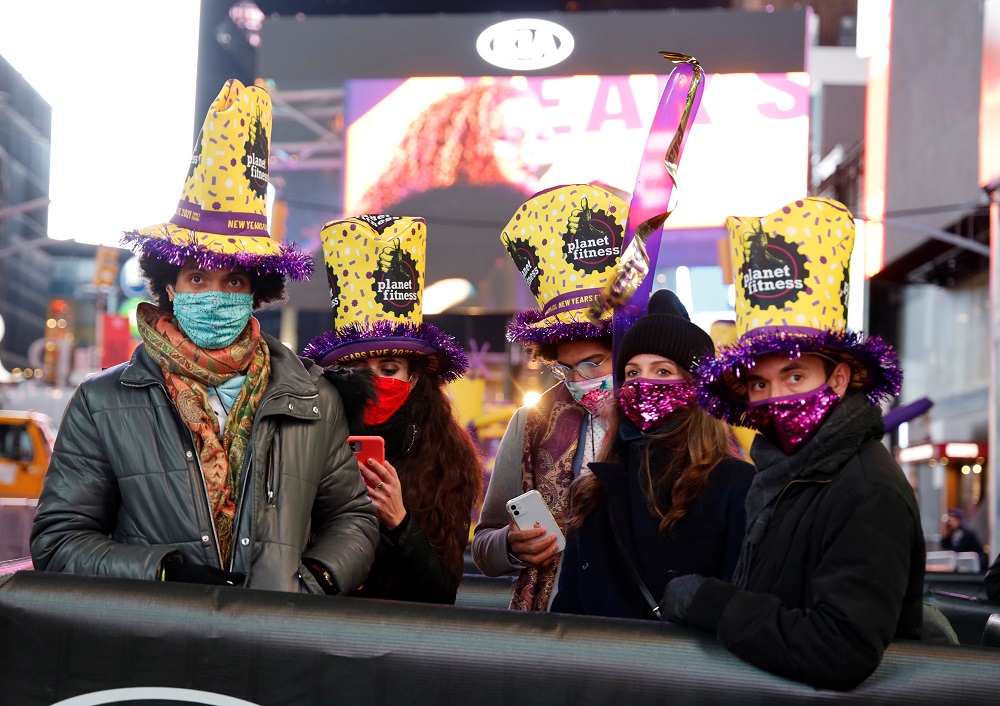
<point>774,272</point>
<point>395,284</point>
<point>525,259</point>
<point>593,239</point>
<point>256,159</point>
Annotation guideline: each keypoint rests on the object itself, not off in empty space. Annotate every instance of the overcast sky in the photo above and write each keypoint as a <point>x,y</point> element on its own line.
<point>120,77</point>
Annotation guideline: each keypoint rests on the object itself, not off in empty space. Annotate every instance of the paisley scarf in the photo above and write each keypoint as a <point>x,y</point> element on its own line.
<point>551,435</point>
<point>189,371</point>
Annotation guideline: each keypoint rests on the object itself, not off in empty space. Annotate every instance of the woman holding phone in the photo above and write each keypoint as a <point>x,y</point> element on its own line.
<point>431,476</point>
<point>668,496</point>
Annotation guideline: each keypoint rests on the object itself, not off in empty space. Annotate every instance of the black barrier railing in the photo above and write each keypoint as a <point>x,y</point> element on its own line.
<point>63,636</point>
<point>478,591</point>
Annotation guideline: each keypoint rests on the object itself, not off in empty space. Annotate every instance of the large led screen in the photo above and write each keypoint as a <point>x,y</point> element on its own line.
<point>465,152</point>
<point>747,150</point>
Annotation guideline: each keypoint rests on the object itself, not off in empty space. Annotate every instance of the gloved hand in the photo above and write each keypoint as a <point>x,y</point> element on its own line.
<point>176,569</point>
<point>678,596</point>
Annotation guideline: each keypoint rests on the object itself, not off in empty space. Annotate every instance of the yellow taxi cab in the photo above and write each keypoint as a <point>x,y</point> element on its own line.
<point>26,440</point>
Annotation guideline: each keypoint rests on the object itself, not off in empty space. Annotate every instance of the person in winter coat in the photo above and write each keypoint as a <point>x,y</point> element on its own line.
<point>566,242</point>
<point>670,491</point>
<point>957,536</point>
<point>832,566</point>
<point>431,477</point>
<point>214,455</point>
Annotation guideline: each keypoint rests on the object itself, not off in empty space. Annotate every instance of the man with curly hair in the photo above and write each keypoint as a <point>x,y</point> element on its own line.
<point>215,455</point>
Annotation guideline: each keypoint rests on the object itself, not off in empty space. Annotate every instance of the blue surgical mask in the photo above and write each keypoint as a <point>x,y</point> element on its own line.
<point>212,320</point>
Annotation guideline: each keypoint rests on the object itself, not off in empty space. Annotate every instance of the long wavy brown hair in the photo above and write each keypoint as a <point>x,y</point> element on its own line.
<point>450,142</point>
<point>676,465</point>
<point>441,474</point>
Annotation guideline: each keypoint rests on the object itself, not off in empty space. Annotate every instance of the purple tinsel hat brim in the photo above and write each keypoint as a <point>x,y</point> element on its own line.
<point>722,392</point>
<point>292,263</point>
<point>448,359</point>
<point>521,330</point>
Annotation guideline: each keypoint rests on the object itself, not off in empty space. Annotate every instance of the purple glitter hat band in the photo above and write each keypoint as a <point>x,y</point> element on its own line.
<point>722,392</point>
<point>448,360</point>
<point>521,330</point>
<point>292,262</point>
<point>222,223</point>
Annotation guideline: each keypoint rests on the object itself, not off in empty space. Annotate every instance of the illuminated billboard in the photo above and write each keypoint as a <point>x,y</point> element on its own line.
<point>412,141</point>
<point>989,110</point>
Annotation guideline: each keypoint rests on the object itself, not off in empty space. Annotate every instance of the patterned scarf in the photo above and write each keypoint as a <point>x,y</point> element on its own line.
<point>189,371</point>
<point>551,435</point>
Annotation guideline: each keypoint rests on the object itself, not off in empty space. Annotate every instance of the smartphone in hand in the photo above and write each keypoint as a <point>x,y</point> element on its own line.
<point>366,447</point>
<point>530,508</point>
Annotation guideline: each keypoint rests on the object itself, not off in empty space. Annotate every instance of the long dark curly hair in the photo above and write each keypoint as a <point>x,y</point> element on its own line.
<point>449,142</point>
<point>675,467</point>
<point>439,467</point>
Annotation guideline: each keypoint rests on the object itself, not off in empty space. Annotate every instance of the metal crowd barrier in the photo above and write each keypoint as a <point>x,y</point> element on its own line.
<point>962,599</point>
<point>63,637</point>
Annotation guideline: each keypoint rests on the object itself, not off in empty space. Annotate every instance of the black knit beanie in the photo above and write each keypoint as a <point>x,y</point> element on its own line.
<point>665,330</point>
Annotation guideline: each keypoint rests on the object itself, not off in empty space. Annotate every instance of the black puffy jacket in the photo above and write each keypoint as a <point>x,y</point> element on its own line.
<point>124,487</point>
<point>839,571</point>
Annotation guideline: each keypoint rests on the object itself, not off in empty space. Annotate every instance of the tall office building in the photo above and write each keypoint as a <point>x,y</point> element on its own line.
<point>25,272</point>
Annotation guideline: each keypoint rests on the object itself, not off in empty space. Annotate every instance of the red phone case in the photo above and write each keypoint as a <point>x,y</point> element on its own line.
<point>366,447</point>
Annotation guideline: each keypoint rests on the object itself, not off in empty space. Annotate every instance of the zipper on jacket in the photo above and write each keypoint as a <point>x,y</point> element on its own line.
<point>208,500</point>
<point>247,465</point>
<point>793,482</point>
<point>271,501</point>
<point>248,471</point>
<point>271,480</point>
<point>196,466</point>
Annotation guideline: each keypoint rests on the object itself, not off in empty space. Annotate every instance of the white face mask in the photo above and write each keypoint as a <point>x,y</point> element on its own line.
<point>595,395</point>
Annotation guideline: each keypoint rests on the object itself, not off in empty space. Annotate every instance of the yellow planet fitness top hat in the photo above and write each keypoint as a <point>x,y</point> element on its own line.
<point>791,274</point>
<point>375,269</point>
<point>221,218</point>
<point>565,242</point>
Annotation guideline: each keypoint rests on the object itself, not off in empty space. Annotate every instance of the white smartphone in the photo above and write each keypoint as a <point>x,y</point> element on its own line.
<point>530,508</point>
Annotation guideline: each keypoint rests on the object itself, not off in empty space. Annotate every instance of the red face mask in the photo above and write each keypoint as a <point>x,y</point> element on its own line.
<point>390,394</point>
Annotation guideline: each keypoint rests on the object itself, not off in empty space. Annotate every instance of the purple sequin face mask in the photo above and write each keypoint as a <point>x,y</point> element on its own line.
<point>649,402</point>
<point>789,422</point>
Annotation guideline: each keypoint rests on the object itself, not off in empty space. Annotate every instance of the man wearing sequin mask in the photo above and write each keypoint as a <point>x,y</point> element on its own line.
<point>565,242</point>
<point>831,569</point>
